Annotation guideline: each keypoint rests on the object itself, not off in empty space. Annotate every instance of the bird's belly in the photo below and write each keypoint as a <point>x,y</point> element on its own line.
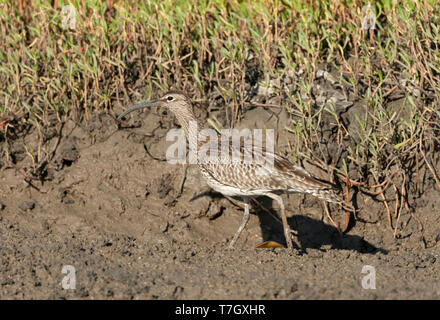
<point>224,189</point>
<point>234,191</point>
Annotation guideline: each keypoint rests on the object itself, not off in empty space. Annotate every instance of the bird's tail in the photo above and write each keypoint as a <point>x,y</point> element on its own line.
<point>329,195</point>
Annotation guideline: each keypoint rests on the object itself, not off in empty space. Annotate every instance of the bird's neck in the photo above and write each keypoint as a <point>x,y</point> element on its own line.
<point>190,125</point>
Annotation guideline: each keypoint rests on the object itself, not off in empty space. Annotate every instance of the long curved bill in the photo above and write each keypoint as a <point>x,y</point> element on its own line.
<point>137,107</point>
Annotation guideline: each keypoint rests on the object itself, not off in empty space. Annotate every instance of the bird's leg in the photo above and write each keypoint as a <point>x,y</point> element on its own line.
<point>243,223</point>
<point>287,232</point>
<point>182,182</point>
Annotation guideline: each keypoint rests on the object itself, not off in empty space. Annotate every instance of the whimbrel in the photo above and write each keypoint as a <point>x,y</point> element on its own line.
<point>244,179</point>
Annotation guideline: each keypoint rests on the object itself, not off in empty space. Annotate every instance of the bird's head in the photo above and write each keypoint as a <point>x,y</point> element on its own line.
<point>177,101</point>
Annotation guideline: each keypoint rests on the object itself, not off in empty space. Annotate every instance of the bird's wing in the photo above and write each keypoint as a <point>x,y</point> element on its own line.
<point>258,169</point>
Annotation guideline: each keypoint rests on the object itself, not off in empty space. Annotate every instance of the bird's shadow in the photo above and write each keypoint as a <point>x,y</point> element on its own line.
<point>309,233</point>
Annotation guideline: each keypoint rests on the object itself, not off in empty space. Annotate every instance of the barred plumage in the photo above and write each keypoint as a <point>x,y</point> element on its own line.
<point>244,178</point>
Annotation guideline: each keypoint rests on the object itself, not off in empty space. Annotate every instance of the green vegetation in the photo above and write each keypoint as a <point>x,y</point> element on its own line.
<point>117,49</point>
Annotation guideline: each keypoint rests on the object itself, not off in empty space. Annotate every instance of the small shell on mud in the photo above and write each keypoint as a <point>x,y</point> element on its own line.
<point>269,244</point>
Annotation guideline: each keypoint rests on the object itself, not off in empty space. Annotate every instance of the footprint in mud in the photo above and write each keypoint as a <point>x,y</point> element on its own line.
<point>164,185</point>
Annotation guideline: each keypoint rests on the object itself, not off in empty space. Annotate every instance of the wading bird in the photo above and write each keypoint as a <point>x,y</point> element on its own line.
<point>243,178</point>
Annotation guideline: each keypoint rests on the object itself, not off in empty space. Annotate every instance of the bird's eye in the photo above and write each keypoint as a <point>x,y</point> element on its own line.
<point>170,98</point>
